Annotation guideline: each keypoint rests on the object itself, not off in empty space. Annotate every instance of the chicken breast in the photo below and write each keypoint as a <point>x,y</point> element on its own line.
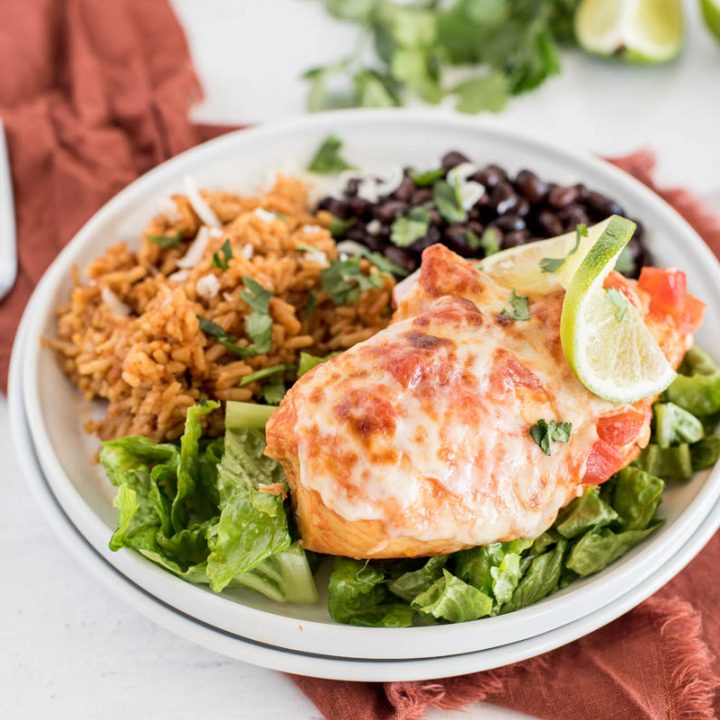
<point>417,441</point>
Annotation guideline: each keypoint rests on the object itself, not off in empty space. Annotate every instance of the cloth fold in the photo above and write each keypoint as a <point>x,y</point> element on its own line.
<point>100,92</point>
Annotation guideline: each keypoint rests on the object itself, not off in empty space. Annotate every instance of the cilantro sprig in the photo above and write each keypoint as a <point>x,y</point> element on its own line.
<point>165,241</point>
<point>620,302</point>
<point>344,280</point>
<point>546,432</point>
<point>513,45</point>
<point>222,258</point>
<point>549,265</point>
<point>519,307</point>
<point>411,227</point>
<point>327,158</point>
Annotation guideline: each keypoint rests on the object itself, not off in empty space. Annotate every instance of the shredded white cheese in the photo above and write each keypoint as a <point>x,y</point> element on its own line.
<point>350,247</point>
<point>247,251</point>
<point>196,250</point>
<point>460,173</point>
<point>179,276</point>
<point>264,215</point>
<point>371,186</point>
<point>312,229</point>
<point>317,256</point>
<point>203,210</point>
<point>116,305</point>
<point>373,227</point>
<point>470,193</point>
<point>207,286</point>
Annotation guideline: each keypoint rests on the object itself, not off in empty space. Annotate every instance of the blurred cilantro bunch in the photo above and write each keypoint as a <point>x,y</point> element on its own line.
<point>506,47</point>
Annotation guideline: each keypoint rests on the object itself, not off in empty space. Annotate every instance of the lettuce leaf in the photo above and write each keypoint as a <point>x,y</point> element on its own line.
<point>599,547</point>
<point>583,513</point>
<point>451,599</point>
<point>358,595</point>
<point>410,584</point>
<point>637,496</point>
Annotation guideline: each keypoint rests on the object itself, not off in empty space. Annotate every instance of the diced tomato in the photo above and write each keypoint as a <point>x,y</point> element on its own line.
<point>623,428</point>
<point>603,462</point>
<point>667,290</point>
<point>694,311</point>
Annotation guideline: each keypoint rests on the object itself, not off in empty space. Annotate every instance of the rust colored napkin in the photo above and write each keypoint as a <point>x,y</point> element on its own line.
<point>93,93</point>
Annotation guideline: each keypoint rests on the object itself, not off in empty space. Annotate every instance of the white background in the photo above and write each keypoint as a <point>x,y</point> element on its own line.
<point>68,649</point>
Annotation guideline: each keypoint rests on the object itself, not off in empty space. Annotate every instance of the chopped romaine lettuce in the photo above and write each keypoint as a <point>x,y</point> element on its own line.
<point>637,496</point>
<point>598,548</point>
<point>584,513</point>
<point>451,599</point>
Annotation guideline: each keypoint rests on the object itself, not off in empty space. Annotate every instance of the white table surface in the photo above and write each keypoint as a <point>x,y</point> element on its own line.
<point>69,648</point>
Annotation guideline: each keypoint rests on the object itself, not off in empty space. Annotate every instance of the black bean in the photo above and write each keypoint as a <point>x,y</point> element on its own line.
<point>561,197</point>
<point>452,159</point>
<point>401,257</point>
<point>503,198</point>
<point>476,227</point>
<point>515,238</point>
<point>351,187</point>
<point>490,176</point>
<point>357,233</point>
<point>549,224</point>
<point>600,206</point>
<point>522,208</point>
<point>531,186</point>
<point>405,190</point>
<point>582,192</point>
<point>639,230</point>
<point>435,217</point>
<point>389,210</point>
<point>455,237</point>
<point>361,208</point>
<point>573,215</point>
<point>421,196</point>
<point>374,242</point>
<point>338,208</point>
<point>509,223</point>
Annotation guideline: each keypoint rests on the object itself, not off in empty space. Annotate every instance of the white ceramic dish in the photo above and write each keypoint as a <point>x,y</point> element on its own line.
<point>338,668</point>
<point>374,139</point>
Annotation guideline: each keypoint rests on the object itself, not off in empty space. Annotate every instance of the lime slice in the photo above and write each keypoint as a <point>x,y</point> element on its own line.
<point>604,338</point>
<point>711,13</point>
<point>643,30</point>
<point>520,268</point>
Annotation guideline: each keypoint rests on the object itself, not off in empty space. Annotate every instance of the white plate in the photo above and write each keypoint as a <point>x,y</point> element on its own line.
<point>374,139</point>
<point>337,668</point>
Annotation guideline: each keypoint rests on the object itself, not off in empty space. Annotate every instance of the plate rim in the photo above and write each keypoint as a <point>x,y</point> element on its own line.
<point>58,269</point>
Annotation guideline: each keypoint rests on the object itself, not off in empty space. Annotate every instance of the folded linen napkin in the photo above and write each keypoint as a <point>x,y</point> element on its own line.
<point>100,92</point>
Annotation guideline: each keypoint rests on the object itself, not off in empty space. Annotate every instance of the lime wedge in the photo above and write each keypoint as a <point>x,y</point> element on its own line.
<point>642,30</point>
<point>604,339</point>
<point>711,13</point>
<point>521,267</point>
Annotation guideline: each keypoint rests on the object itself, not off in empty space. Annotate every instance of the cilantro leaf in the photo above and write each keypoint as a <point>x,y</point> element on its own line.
<point>489,242</point>
<point>339,227</point>
<point>374,90</point>
<point>274,390</point>
<point>448,202</point>
<point>327,159</point>
<point>519,307</point>
<point>548,265</point>
<point>411,227</point>
<point>428,177</point>
<point>353,10</point>
<point>344,280</point>
<point>383,264</point>
<point>227,340</point>
<point>265,372</point>
<point>311,304</point>
<point>221,259</point>
<point>544,433</point>
<point>620,302</point>
<point>165,241</point>
<point>258,324</point>
<point>488,92</point>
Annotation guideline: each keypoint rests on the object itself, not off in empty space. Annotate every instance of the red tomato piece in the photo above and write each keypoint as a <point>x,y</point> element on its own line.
<point>622,428</point>
<point>603,461</point>
<point>667,290</point>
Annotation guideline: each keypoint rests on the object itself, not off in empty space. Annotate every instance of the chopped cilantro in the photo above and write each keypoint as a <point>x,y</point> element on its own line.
<point>519,307</point>
<point>489,242</point>
<point>165,241</point>
<point>308,361</point>
<point>265,372</point>
<point>343,281</point>
<point>487,92</point>
<point>327,159</point>
<point>274,390</point>
<point>384,264</point>
<point>544,433</point>
<point>620,302</point>
<point>427,178</point>
<point>411,227</point>
<point>548,265</point>
<point>448,202</point>
<point>339,227</point>
<point>221,259</point>
<point>227,340</point>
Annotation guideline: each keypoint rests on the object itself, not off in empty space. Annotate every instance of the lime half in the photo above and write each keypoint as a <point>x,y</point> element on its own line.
<point>642,30</point>
<point>544,266</point>
<point>605,341</point>
<point>711,13</point>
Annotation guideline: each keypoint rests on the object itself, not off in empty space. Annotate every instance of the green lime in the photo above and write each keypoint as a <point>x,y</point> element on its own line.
<point>605,340</point>
<point>711,13</point>
<point>642,30</point>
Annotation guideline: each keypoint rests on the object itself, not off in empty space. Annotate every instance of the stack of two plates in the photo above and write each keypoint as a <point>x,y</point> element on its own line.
<point>47,415</point>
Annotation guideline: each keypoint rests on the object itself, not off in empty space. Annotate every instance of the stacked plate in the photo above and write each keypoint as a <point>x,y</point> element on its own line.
<point>48,413</point>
